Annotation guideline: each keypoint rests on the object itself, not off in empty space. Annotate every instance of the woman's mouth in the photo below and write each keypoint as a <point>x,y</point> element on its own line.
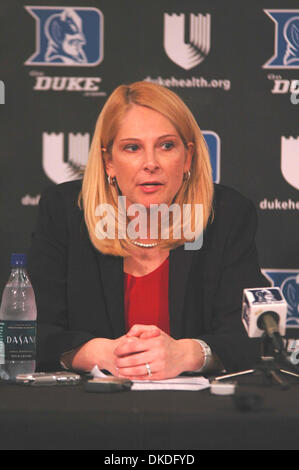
<point>150,187</point>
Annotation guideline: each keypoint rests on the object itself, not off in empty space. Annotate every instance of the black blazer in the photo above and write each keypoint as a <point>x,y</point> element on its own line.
<point>79,291</point>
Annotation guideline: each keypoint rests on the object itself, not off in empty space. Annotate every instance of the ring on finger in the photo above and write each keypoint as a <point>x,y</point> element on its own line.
<point>149,372</point>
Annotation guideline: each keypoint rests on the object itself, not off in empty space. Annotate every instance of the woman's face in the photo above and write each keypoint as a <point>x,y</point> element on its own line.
<point>148,158</point>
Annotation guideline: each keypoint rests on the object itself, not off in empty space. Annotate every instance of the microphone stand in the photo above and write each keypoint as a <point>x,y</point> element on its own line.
<point>271,370</point>
<point>272,361</point>
<point>273,358</point>
<point>272,341</point>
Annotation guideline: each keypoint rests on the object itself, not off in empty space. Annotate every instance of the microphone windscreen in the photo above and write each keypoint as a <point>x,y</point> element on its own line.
<point>258,301</point>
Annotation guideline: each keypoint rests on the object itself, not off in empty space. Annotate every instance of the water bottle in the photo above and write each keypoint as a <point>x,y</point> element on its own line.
<point>17,322</point>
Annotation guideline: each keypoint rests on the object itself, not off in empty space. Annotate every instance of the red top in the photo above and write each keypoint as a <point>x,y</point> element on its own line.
<point>146,299</point>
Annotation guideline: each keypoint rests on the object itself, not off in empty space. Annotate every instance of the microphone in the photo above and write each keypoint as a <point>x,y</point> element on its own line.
<point>269,322</point>
<point>264,312</point>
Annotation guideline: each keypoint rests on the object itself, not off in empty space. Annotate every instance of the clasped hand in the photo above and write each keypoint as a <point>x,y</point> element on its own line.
<point>166,357</point>
<point>128,355</point>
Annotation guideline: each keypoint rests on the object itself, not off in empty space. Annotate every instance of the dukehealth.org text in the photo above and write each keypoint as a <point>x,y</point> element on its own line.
<point>191,82</point>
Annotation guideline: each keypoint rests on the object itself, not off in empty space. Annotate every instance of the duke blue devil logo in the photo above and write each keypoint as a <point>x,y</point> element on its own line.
<point>67,36</point>
<point>286,46</point>
<point>288,282</point>
<point>265,296</point>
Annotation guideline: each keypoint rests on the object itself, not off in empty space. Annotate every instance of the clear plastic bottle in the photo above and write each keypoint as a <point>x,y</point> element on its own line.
<point>17,322</point>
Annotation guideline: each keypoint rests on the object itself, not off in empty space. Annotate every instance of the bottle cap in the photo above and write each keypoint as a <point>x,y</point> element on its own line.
<point>18,259</point>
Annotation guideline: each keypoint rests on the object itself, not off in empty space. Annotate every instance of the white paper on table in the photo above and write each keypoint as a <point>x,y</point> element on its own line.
<point>177,383</point>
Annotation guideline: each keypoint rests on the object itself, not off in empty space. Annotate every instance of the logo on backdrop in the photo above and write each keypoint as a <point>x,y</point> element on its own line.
<point>67,36</point>
<point>286,40</point>
<point>64,159</point>
<point>289,165</point>
<point>282,86</point>
<point>288,282</point>
<point>187,43</point>
<point>191,53</point>
<point>213,142</point>
<point>286,52</point>
<point>290,160</point>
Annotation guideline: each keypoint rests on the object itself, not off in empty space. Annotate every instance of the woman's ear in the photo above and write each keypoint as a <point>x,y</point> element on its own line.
<point>189,156</point>
<point>107,158</point>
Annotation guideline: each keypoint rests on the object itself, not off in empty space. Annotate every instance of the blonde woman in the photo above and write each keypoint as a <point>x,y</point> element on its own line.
<point>155,294</point>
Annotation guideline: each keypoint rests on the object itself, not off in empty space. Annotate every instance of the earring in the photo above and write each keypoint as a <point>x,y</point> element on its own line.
<point>187,176</point>
<point>111,180</point>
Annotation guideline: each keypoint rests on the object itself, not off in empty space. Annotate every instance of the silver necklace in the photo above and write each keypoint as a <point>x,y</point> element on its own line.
<point>144,245</point>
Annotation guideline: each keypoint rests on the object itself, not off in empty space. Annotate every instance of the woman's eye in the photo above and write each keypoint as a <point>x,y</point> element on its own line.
<point>167,145</point>
<point>131,147</point>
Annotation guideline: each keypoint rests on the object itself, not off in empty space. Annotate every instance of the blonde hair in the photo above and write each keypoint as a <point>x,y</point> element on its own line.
<point>96,190</point>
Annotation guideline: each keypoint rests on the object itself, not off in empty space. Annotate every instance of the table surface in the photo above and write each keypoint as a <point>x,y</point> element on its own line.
<point>68,417</point>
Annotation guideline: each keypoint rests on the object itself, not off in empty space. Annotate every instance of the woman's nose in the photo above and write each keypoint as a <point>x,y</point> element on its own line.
<point>150,159</point>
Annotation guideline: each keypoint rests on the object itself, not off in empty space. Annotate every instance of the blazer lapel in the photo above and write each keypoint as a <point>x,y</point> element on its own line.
<point>180,261</point>
<point>111,269</point>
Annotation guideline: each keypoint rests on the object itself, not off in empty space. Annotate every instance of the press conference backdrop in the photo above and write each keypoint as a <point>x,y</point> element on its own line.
<point>235,64</point>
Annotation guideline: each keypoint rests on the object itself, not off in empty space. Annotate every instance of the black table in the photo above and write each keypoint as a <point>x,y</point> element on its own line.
<point>68,417</point>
